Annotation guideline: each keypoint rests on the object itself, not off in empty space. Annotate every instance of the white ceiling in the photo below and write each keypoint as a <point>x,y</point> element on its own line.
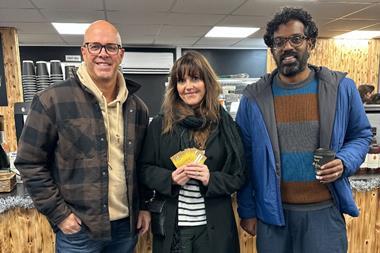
<point>180,23</point>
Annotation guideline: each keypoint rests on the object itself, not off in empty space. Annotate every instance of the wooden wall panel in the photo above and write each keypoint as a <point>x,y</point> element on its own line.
<point>144,245</point>
<point>374,63</point>
<point>360,59</point>
<point>364,231</point>
<point>25,231</point>
<point>12,69</point>
<point>377,225</point>
<point>247,242</point>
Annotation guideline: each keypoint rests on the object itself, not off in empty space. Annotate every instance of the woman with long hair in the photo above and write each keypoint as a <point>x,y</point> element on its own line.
<point>197,193</point>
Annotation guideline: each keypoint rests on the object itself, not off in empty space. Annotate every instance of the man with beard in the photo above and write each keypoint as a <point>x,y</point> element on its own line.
<point>290,204</point>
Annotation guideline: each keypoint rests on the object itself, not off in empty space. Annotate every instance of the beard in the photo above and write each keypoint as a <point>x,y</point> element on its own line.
<point>292,69</point>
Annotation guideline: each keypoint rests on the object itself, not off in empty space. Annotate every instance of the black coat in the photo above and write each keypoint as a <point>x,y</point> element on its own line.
<point>156,169</point>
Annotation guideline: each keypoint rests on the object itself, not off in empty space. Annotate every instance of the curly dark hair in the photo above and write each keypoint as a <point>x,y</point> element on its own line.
<point>284,16</point>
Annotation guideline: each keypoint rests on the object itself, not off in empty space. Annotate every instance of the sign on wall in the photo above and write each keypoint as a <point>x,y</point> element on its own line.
<point>3,88</point>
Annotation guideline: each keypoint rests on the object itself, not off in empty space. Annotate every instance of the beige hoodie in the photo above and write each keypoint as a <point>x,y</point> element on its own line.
<point>114,124</point>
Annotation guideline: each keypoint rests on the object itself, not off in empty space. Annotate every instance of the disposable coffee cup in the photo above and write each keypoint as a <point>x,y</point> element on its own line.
<point>55,67</point>
<point>41,67</point>
<point>28,68</point>
<point>322,156</point>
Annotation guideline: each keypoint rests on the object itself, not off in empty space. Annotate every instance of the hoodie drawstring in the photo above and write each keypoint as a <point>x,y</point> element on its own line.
<point>117,120</point>
<point>107,122</point>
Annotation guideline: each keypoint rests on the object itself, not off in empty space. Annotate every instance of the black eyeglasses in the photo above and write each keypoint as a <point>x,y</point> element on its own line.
<point>96,48</point>
<point>295,40</point>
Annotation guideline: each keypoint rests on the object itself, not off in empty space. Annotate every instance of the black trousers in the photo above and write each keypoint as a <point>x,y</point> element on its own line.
<point>193,240</point>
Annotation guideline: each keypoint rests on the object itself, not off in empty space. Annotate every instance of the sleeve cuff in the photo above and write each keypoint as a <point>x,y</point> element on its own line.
<point>246,213</point>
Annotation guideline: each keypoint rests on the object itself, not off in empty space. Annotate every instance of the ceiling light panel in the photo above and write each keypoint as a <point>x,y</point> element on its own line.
<point>70,28</point>
<point>231,32</point>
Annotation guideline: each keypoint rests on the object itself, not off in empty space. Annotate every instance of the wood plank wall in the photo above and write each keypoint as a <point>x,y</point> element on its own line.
<point>25,231</point>
<point>364,231</point>
<point>12,69</point>
<point>360,59</point>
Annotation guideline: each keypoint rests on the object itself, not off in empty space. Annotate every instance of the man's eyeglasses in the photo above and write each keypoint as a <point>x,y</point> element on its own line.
<point>295,40</point>
<point>96,48</point>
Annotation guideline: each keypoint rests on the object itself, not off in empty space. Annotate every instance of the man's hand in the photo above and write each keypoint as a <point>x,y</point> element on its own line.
<point>143,222</point>
<point>249,225</point>
<point>330,171</point>
<point>70,225</point>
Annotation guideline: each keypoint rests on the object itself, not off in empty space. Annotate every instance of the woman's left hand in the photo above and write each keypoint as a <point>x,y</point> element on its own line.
<point>199,172</point>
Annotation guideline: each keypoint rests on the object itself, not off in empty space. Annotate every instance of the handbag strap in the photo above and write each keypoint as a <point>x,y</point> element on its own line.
<point>152,198</point>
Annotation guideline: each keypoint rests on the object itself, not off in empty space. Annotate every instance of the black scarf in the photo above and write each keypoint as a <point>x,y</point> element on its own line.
<point>193,123</point>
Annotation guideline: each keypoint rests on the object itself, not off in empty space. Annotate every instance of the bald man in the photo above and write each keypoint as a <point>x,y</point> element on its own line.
<point>77,152</point>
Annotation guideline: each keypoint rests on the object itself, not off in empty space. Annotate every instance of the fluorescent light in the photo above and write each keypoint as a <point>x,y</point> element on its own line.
<point>359,35</point>
<point>70,28</point>
<point>231,32</point>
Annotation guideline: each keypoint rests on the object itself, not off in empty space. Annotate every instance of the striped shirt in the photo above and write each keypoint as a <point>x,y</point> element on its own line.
<point>191,205</point>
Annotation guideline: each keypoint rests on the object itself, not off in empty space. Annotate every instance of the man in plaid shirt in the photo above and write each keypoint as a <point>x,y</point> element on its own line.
<point>78,150</point>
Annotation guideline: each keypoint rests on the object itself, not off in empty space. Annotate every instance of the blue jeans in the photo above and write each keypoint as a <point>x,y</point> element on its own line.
<point>122,240</point>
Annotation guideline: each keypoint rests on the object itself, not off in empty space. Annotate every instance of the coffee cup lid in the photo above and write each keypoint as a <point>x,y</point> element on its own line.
<point>324,151</point>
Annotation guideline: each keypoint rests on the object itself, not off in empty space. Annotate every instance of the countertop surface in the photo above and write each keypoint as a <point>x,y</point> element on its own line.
<point>20,198</point>
<point>365,183</point>
<point>16,198</point>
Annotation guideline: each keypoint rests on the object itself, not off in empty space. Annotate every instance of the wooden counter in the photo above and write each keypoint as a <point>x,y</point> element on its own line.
<point>27,231</point>
<point>364,231</point>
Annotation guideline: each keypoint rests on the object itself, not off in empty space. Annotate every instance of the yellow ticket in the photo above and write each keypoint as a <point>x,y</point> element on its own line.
<point>189,155</point>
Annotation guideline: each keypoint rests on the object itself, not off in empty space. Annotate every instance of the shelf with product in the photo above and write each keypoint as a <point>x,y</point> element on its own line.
<point>370,168</point>
<point>37,76</point>
<point>232,90</point>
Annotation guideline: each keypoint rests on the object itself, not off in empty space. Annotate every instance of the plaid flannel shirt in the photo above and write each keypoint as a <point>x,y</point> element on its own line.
<point>62,155</point>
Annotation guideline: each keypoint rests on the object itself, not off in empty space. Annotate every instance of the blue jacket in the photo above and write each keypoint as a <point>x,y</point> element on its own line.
<point>344,128</point>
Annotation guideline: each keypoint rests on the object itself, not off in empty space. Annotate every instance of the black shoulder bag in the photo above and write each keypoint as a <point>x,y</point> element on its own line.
<point>157,208</point>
